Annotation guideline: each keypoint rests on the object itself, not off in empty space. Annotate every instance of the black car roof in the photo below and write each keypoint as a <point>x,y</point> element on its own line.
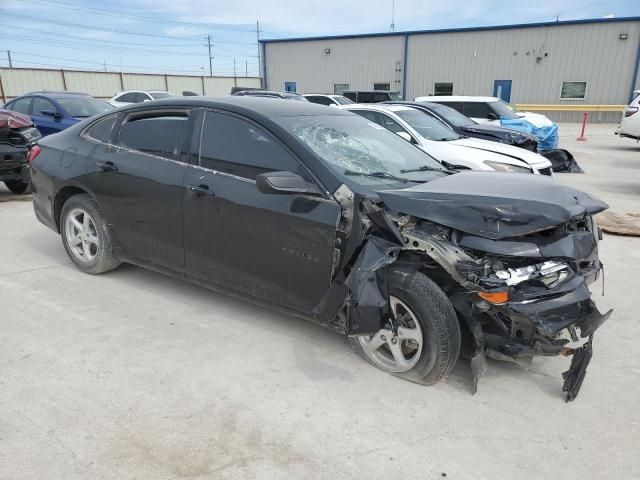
<point>54,94</point>
<point>268,107</point>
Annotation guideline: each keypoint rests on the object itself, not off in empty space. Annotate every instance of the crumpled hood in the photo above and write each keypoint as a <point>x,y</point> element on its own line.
<point>493,205</point>
<point>530,158</point>
<point>10,119</point>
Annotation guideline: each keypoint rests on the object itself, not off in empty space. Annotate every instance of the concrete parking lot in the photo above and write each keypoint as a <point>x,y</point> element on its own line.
<point>135,375</point>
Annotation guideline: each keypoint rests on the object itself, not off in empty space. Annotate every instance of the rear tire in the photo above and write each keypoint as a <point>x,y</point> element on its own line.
<point>85,237</point>
<point>429,337</point>
<point>19,187</point>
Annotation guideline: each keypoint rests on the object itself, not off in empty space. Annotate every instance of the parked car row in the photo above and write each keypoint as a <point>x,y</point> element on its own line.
<point>336,216</point>
<point>18,137</point>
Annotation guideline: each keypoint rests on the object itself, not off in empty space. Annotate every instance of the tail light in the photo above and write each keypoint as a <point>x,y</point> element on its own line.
<point>630,111</point>
<point>34,152</point>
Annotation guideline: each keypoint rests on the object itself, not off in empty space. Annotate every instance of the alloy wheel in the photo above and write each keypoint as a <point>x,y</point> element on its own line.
<point>81,235</point>
<point>398,351</point>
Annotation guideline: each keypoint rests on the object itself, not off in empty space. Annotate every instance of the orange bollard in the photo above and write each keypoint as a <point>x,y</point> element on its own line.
<point>582,138</point>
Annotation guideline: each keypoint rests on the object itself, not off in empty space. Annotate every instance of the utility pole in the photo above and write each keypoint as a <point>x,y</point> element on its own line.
<point>392,27</point>
<point>234,67</point>
<point>209,44</point>
<point>9,56</point>
<point>259,54</point>
<point>246,68</point>
<point>105,65</point>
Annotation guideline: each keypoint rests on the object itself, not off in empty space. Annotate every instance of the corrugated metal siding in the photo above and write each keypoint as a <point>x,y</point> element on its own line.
<point>178,85</point>
<point>136,81</point>
<point>222,85</point>
<point>101,85</point>
<point>473,60</point>
<point>357,62</point>
<point>18,81</point>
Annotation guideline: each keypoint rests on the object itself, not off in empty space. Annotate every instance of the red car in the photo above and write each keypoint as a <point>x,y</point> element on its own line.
<point>18,137</point>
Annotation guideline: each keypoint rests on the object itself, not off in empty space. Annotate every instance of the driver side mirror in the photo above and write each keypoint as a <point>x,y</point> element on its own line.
<point>50,113</point>
<point>285,182</point>
<point>492,116</point>
<point>406,136</point>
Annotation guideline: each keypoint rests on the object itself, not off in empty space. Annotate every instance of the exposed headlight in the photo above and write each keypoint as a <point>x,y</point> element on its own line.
<point>506,167</point>
<point>551,273</point>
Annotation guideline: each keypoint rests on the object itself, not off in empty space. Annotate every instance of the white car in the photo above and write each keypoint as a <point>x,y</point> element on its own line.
<point>630,124</point>
<point>445,145</point>
<point>487,110</point>
<point>137,96</point>
<point>326,99</point>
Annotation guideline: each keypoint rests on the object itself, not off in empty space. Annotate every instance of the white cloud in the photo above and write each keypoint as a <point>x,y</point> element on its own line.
<point>337,16</point>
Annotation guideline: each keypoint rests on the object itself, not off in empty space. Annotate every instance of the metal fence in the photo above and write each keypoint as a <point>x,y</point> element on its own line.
<point>18,81</point>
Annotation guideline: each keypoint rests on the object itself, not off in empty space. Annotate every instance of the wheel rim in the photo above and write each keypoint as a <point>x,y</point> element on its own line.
<point>81,235</point>
<point>395,352</point>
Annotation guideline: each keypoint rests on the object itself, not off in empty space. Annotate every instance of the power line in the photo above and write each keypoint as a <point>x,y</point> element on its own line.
<point>78,37</point>
<point>141,69</point>
<point>145,18</point>
<point>130,51</point>
<point>89,62</point>
<point>112,30</point>
<point>93,46</point>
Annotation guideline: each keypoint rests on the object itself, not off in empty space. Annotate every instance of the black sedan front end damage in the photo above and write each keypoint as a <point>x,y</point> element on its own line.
<point>516,268</point>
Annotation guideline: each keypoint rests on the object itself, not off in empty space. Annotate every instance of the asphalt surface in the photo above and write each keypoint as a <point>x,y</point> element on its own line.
<point>135,375</point>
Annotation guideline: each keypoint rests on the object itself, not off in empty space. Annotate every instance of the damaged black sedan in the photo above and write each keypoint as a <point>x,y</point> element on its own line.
<point>321,214</point>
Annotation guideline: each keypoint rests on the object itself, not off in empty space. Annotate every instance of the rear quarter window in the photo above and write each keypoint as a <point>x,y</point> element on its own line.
<point>158,134</point>
<point>101,130</point>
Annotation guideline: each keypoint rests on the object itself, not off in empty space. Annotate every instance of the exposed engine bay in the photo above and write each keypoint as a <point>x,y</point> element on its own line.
<point>516,271</point>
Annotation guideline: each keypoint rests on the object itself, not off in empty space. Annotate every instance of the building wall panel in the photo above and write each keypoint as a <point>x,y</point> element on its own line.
<point>536,59</point>
<point>100,84</point>
<point>18,81</point>
<point>357,62</point>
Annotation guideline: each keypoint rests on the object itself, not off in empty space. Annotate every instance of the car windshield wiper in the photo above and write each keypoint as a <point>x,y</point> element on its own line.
<point>422,168</point>
<point>378,175</point>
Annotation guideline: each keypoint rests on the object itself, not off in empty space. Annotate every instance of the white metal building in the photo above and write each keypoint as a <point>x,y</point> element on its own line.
<point>561,67</point>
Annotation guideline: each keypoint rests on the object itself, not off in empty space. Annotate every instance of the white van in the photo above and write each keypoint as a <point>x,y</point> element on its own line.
<point>630,124</point>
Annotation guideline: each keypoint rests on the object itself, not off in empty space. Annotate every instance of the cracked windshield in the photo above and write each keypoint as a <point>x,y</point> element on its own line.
<point>366,152</point>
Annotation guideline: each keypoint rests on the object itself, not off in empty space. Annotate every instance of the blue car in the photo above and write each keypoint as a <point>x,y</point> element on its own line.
<point>52,112</point>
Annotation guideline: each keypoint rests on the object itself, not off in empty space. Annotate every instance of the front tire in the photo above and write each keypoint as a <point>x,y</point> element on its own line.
<point>18,187</point>
<point>85,237</point>
<point>426,344</point>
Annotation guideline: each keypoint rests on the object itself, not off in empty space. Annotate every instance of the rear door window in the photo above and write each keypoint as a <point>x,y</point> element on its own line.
<point>457,106</point>
<point>127,98</point>
<point>40,104</point>
<point>320,100</point>
<point>159,134</point>
<point>365,97</point>
<point>21,105</point>
<point>141,97</point>
<point>233,145</point>
<point>476,110</point>
<point>381,119</point>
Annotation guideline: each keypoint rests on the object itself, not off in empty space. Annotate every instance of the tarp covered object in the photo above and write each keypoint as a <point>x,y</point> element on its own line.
<point>547,135</point>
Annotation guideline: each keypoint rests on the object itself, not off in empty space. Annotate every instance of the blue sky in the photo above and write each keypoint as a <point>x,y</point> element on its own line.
<point>168,36</point>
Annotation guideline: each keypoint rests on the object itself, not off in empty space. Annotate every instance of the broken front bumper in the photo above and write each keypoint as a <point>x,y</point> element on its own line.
<point>537,321</point>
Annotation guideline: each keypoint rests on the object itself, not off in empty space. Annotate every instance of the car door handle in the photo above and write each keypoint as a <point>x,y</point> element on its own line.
<point>107,166</point>
<point>202,190</point>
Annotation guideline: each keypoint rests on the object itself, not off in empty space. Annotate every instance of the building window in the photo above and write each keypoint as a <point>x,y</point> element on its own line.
<point>339,88</point>
<point>443,88</point>
<point>573,90</point>
<point>382,86</point>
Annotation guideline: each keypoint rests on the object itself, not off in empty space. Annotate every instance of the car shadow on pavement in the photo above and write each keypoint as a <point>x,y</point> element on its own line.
<point>7,196</point>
